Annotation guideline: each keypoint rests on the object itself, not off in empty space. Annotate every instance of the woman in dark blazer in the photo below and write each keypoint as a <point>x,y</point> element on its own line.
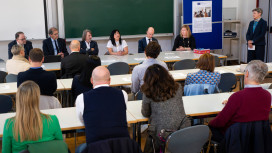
<point>87,46</point>
<point>185,40</point>
<point>81,83</point>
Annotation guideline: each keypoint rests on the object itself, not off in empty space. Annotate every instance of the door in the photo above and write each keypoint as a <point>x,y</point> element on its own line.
<point>266,5</point>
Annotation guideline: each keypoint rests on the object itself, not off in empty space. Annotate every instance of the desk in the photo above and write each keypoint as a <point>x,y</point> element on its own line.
<point>166,56</point>
<point>67,118</point>
<point>174,56</point>
<point>11,88</point>
<point>178,75</point>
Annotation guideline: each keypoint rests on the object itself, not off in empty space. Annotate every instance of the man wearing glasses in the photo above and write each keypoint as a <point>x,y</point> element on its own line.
<point>20,39</point>
<point>54,45</point>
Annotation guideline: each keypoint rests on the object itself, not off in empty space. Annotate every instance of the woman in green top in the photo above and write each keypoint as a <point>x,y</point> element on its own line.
<point>29,125</point>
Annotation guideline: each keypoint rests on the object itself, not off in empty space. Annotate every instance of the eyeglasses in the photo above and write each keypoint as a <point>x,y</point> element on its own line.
<point>23,39</point>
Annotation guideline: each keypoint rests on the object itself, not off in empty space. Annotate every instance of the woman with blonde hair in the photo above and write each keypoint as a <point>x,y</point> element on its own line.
<point>29,125</point>
<point>185,40</point>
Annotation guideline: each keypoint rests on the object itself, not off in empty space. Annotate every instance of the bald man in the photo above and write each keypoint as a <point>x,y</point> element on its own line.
<point>103,109</point>
<point>73,64</point>
<point>145,41</point>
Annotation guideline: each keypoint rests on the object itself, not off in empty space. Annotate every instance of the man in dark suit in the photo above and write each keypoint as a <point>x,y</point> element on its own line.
<point>87,45</point>
<point>20,39</point>
<point>73,64</point>
<point>144,42</point>
<point>47,81</point>
<point>256,36</point>
<point>54,45</point>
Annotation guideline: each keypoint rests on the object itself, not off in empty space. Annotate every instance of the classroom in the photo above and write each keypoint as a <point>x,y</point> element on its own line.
<point>126,76</point>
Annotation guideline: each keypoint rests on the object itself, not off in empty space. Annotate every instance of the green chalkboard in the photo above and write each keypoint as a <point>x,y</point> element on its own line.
<point>131,17</point>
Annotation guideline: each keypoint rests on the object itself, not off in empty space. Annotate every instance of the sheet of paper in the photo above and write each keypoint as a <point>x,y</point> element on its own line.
<point>202,16</point>
<point>253,47</point>
<point>127,79</point>
<point>178,75</point>
<point>4,87</point>
<point>172,57</point>
<point>139,59</point>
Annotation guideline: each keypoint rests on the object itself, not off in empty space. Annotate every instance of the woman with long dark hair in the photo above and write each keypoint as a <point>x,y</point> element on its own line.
<point>117,46</point>
<point>162,103</point>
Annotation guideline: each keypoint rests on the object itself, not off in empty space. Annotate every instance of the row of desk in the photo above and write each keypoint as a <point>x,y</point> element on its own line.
<point>168,56</point>
<point>193,105</point>
<point>120,80</point>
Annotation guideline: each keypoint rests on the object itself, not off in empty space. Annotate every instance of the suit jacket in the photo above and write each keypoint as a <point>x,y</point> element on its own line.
<point>142,44</point>
<point>27,46</point>
<point>48,48</point>
<point>83,48</point>
<point>258,36</point>
<point>73,64</point>
<point>47,81</point>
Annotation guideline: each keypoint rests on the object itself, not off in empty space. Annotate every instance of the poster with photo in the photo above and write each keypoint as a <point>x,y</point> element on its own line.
<point>202,16</point>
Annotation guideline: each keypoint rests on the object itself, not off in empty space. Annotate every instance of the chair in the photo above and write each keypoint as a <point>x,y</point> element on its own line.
<point>52,58</point>
<point>217,61</point>
<point>114,145</point>
<point>138,95</point>
<point>49,102</point>
<point>5,103</point>
<point>53,146</point>
<point>11,78</point>
<point>1,60</point>
<point>249,137</point>
<point>227,81</point>
<point>184,64</point>
<point>2,76</point>
<point>188,140</point>
<point>199,89</point>
<point>118,68</point>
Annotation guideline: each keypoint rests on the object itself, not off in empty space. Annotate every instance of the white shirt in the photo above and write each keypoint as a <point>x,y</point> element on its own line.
<point>88,45</point>
<point>147,41</point>
<point>80,102</point>
<point>118,47</point>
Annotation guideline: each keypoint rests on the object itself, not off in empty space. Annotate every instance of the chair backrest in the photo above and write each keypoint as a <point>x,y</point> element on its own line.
<point>250,137</point>
<point>199,89</point>
<point>188,140</point>
<point>138,95</point>
<point>53,146</point>
<point>184,64</point>
<point>5,103</point>
<point>227,82</point>
<point>2,76</point>
<point>11,78</point>
<point>52,58</point>
<point>49,102</point>
<point>1,60</point>
<point>217,61</point>
<point>118,68</point>
<point>114,145</point>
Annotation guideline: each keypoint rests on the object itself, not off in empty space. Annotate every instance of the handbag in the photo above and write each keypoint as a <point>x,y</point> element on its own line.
<point>165,133</point>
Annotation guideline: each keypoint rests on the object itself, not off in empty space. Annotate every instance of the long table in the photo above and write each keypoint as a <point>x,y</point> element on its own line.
<point>67,118</point>
<point>166,56</point>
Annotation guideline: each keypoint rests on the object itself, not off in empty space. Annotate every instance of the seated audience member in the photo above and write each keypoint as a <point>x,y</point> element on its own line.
<point>20,39</point>
<point>47,81</point>
<point>105,104</point>
<point>185,40</point>
<point>29,124</point>
<point>162,103</point>
<point>117,46</point>
<point>87,45</point>
<point>54,45</point>
<point>72,64</point>
<point>145,41</point>
<point>18,63</point>
<point>253,103</point>
<point>205,76</point>
<point>152,51</point>
<point>81,83</point>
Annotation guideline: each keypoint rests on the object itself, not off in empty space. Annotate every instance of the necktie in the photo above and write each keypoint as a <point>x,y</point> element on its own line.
<point>254,25</point>
<point>56,46</point>
<point>148,40</point>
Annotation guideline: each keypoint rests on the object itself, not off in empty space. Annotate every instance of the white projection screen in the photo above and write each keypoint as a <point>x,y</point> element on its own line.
<point>22,15</point>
